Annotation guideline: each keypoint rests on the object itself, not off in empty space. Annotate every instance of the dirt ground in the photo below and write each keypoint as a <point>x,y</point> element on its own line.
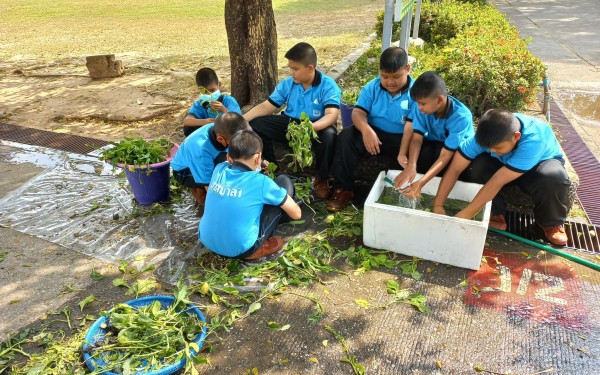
<point>154,94</point>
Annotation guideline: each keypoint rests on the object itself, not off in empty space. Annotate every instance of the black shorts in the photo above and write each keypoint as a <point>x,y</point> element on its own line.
<point>185,178</point>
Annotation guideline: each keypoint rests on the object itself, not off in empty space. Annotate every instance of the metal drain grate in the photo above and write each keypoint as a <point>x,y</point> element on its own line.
<point>59,141</point>
<point>582,236</point>
<point>583,161</point>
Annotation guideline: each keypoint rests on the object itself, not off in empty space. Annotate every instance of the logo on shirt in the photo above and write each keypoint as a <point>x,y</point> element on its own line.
<point>404,104</point>
<point>226,191</point>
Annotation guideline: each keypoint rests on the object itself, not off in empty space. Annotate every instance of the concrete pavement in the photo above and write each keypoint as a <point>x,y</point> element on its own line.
<point>566,37</point>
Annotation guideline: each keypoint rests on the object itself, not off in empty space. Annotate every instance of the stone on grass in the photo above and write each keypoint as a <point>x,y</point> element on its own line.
<point>104,66</point>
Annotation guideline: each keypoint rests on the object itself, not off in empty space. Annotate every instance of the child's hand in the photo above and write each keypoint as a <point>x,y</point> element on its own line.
<point>217,106</point>
<point>405,177</point>
<point>371,141</point>
<point>412,191</point>
<point>264,167</point>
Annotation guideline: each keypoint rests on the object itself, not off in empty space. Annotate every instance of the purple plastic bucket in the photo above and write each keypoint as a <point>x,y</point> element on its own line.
<point>346,114</point>
<point>150,183</point>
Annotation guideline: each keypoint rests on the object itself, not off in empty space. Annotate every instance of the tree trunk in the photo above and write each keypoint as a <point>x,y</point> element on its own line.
<point>252,39</point>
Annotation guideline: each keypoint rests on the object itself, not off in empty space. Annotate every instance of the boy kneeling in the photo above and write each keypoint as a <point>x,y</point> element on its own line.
<point>243,206</point>
<point>512,149</point>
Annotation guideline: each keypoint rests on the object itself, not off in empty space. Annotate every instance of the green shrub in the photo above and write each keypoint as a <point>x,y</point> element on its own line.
<point>487,70</point>
<point>442,21</point>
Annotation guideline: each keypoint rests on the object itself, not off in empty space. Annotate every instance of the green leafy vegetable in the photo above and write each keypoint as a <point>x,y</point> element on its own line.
<point>138,152</point>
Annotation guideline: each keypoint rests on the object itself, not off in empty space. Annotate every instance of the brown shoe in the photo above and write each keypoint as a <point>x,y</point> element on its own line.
<point>321,187</point>
<point>498,222</point>
<point>339,200</point>
<point>555,235</point>
<point>270,246</point>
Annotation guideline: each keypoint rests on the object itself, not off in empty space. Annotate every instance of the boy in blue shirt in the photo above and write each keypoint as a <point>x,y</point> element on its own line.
<point>243,206</point>
<point>306,90</point>
<point>512,149</point>
<point>379,116</point>
<point>210,105</point>
<point>197,156</point>
<point>440,123</point>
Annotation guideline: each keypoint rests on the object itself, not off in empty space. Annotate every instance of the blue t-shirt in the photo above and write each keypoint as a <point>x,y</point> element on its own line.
<point>537,143</point>
<point>198,153</point>
<point>323,93</point>
<point>452,128</point>
<point>199,112</point>
<point>236,196</point>
<point>384,112</point>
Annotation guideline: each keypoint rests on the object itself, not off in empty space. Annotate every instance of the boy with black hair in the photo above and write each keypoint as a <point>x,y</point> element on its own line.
<point>199,153</point>
<point>306,90</point>
<point>440,123</point>
<point>512,149</point>
<point>243,206</point>
<point>379,118</point>
<point>210,104</point>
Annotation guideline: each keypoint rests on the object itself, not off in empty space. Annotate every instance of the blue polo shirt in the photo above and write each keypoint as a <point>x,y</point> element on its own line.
<point>200,112</point>
<point>236,195</point>
<point>322,93</point>
<point>452,128</point>
<point>537,143</point>
<point>198,152</point>
<point>384,111</point>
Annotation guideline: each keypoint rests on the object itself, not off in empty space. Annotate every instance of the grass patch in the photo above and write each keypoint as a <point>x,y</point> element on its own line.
<point>48,30</point>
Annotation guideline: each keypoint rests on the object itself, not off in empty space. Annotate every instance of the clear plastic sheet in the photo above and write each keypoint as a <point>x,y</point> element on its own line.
<point>84,204</point>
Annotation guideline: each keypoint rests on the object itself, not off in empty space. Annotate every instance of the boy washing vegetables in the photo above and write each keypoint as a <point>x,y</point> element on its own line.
<point>379,118</point>
<point>306,90</point>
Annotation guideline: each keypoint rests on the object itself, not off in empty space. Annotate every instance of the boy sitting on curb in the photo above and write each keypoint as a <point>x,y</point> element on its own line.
<point>243,206</point>
<point>379,118</point>
<point>210,105</point>
<point>512,149</point>
<point>199,153</point>
<point>440,123</point>
<point>306,90</point>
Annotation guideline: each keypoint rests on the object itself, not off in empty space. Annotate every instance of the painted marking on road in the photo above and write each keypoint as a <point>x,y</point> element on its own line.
<point>540,290</point>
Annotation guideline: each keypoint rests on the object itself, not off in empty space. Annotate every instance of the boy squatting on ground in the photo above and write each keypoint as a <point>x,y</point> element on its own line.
<point>208,107</point>
<point>243,206</point>
<point>440,123</point>
<point>379,118</point>
<point>199,153</point>
<point>306,90</point>
<point>511,149</point>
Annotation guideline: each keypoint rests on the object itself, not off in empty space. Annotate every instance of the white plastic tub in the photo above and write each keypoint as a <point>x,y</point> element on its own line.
<point>439,238</point>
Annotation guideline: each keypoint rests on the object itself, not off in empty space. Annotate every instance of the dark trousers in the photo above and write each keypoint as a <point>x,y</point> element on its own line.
<point>274,128</point>
<point>350,149</point>
<point>185,177</point>
<point>271,216</point>
<point>547,184</point>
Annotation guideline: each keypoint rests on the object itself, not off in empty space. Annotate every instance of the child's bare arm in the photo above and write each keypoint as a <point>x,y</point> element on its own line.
<point>291,208</point>
<point>192,121</point>
<point>263,109</point>
<point>502,177</point>
<point>330,118</point>
<point>406,138</point>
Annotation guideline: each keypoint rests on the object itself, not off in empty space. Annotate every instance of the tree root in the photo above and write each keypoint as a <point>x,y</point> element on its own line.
<point>117,118</point>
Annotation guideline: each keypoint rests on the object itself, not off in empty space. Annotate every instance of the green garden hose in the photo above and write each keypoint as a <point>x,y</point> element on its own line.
<point>549,249</point>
